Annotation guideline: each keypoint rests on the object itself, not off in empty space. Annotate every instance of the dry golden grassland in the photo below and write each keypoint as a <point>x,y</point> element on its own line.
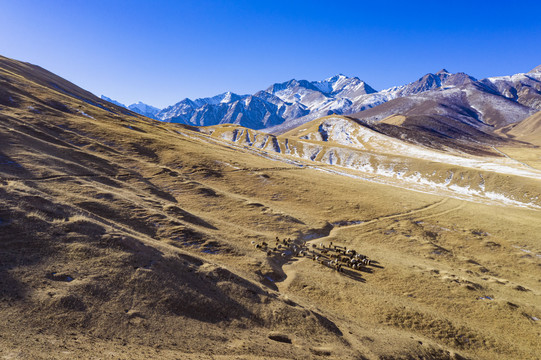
<point>125,238</point>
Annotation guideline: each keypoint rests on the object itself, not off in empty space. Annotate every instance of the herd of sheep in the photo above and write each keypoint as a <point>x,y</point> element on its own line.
<point>333,256</point>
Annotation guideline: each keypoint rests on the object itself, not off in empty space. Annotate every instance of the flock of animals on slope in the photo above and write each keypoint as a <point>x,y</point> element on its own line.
<point>330,255</point>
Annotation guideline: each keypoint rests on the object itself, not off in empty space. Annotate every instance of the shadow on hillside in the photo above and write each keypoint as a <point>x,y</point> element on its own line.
<point>183,285</point>
<point>9,167</point>
<point>188,217</point>
<point>39,238</point>
<point>21,245</point>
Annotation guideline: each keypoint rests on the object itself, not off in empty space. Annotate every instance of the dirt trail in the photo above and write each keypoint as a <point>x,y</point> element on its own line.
<point>391,216</point>
<point>510,158</point>
<point>289,267</point>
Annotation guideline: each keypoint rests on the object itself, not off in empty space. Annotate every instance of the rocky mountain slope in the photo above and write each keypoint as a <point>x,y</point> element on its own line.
<point>349,144</point>
<point>462,112</point>
<point>460,101</point>
<point>522,88</point>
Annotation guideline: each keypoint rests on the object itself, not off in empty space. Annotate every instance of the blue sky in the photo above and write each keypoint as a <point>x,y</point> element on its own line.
<point>160,52</point>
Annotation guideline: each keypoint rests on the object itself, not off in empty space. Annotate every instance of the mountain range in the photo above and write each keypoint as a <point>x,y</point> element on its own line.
<point>453,98</point>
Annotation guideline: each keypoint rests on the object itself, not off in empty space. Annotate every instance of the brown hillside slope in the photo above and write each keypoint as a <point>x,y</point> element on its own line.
<point>122,237</point>
<point>14,88</point>
<point>528,130</point>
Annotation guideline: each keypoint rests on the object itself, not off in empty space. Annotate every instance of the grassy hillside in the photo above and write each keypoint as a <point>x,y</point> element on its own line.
<point>528,129</point>
<point>122,237</point>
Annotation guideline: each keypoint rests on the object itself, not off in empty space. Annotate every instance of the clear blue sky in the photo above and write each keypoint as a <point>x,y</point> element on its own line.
<point>160,52</point>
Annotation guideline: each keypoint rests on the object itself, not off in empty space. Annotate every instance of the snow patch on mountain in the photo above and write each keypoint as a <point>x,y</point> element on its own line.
<point>347,146</point>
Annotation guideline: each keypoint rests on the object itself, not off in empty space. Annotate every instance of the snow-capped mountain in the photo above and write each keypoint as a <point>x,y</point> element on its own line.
<point>140,108</point>
<point>522,88</point>
<point>249,111</point>
<point>283,106</point>
<point>281,102</point>
<point>103,97</point>
<point>482,104</point>
<point>183,111</point>
<point>458,101</point>
<point>144,109</point>
<point>458,106</point>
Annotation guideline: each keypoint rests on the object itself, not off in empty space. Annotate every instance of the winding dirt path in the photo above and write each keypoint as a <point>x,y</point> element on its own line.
<point>289,267</point>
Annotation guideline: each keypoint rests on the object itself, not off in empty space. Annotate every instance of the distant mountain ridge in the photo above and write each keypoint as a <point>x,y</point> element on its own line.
<point>140,108</point>
<point>459,106</point>
<point>286,105</point>
<point>277,104</point>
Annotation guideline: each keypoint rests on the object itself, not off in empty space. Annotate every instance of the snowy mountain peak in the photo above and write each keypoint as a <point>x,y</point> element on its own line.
<point>144,109</point>
<point>344,85</point>
<point>442,71</point>
<point>329,85</point>
<point>224,98</point>
<point>229,97</point>
<point>140,107</point>
<point>103,97</point>
<point>291,85</point>
<point>535,70</point>
<point>336,78</point>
